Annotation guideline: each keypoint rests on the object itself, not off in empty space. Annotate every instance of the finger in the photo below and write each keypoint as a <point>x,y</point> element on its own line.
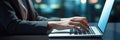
<point>75,27</point>
<point>69,26</point>
<point>74,23</point>
<point>79,24</point>
<point>83,26</point>
<point>77,18</point>
<point>85,21</point>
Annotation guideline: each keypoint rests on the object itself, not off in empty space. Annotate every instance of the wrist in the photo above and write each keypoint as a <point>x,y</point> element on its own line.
<point>51,25</point>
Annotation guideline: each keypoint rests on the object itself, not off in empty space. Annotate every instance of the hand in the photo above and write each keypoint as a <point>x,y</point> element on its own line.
<point>60,25</point>
<point>68,23</point>
<point>80,21</point>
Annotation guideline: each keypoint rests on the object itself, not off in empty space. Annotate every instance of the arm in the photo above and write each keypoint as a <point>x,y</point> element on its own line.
<point>13,25</point>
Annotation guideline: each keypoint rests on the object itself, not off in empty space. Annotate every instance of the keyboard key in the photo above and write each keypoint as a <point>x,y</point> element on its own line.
<point>91,31</point>
<point>83,31</point>
<point>71,30</point>
<point>75,31</point>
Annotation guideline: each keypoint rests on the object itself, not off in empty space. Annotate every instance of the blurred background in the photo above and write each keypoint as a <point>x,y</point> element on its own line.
<point>69,8</point>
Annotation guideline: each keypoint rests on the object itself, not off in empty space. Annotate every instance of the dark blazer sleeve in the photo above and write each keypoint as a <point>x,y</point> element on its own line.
<point>13,25</point>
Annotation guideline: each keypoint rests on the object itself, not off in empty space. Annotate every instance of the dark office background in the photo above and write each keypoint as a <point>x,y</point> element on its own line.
<point>69,8</point>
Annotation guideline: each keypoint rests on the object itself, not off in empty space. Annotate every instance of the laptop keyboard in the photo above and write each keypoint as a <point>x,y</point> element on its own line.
<point>74,31</point>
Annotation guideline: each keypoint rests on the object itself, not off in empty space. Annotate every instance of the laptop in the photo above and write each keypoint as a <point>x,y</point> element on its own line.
<point>95,31</point>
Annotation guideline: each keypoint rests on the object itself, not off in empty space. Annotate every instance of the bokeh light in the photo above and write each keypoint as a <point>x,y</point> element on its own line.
<point>54,6</point>
<point>38,1</point>
<point>98,6</point>
<point>83,1</point>
<point>43,6</point>
<point>93,1</point>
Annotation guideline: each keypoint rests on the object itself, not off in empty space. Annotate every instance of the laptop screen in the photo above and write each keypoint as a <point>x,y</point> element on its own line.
<point>105,14</point>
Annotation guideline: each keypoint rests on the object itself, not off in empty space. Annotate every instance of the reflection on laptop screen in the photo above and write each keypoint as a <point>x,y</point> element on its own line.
<point>105,14</point>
